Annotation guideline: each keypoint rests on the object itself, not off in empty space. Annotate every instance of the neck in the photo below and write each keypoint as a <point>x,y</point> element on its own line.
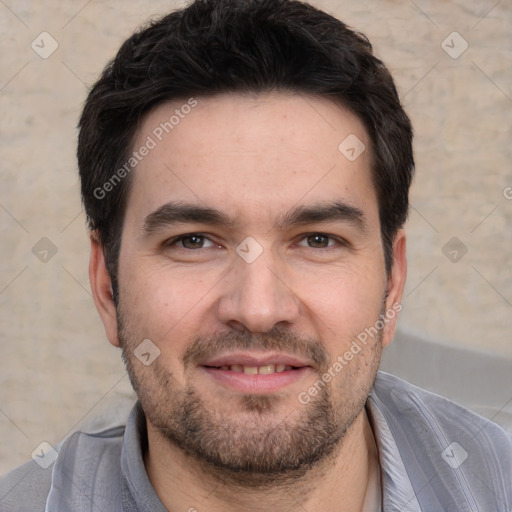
<point>338,482</point>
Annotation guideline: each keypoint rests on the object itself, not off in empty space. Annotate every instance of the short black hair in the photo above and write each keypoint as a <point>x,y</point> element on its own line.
<point>224,46</point>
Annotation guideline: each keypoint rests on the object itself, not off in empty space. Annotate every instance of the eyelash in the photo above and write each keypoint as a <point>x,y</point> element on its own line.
<point>174,241</point>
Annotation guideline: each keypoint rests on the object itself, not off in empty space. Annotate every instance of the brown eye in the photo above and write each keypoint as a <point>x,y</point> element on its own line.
<point>190,241</point>
<point>318,240</point>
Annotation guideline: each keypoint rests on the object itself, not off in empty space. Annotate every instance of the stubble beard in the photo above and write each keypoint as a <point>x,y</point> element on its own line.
<point>251,449</point>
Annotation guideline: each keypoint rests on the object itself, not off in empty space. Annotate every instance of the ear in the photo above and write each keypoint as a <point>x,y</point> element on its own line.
<point>101,286</point>
<point>396,284</point>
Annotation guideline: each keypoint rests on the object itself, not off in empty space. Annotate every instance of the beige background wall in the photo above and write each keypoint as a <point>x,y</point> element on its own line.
<point>57,367</point>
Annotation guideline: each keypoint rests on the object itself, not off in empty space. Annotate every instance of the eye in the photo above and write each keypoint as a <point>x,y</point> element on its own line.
<point>318,241</point>
<point>191,241</point>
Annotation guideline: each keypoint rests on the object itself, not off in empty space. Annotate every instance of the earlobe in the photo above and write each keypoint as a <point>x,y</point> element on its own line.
<point>396,285</point>
<point>101,286</point>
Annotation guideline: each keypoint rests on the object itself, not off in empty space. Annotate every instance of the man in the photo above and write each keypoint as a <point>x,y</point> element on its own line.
<point>245,167</point>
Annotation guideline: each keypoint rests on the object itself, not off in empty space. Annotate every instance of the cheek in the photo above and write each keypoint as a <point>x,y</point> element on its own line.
<point>345,304</point>
<point>164,306</point>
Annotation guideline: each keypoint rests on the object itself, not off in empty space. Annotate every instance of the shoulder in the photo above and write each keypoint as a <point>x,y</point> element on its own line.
<point>446,448</point>
<point>417,407</point>
<point>26,488</point>
<point>409,401</point>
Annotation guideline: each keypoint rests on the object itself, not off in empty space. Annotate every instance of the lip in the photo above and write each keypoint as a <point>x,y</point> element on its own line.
<point>256,359</point>
<point>256,384</point>
<point>260,383</point>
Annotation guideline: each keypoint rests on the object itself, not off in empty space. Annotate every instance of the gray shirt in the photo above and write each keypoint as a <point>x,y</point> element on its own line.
<point>434,455</point>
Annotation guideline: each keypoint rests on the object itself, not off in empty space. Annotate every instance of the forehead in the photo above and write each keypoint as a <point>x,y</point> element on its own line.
<point>253,156</point>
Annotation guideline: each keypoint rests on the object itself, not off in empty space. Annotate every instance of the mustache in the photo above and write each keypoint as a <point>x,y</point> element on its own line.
<point>206,347</point>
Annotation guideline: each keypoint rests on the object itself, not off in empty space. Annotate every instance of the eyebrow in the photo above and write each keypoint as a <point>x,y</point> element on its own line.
<point>179,212</point>
<point>332,211</point>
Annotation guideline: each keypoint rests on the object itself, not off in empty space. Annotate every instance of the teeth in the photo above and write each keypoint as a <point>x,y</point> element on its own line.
<point>255,370</point>
<point>265,370</point>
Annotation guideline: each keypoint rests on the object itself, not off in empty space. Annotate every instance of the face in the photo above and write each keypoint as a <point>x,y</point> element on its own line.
<point>251,258</point>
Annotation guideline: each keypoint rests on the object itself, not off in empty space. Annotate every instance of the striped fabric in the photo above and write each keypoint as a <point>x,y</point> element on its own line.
<point>434,455</point>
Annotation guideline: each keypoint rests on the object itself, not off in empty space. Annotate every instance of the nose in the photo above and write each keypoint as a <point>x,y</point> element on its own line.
<point>258,296</point>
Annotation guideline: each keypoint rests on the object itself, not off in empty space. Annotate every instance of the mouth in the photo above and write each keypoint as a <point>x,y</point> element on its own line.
<point>267,369</point>
<point>256,373</point>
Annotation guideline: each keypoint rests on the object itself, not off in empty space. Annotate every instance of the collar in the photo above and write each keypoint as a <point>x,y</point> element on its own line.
<point>397,491</point>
